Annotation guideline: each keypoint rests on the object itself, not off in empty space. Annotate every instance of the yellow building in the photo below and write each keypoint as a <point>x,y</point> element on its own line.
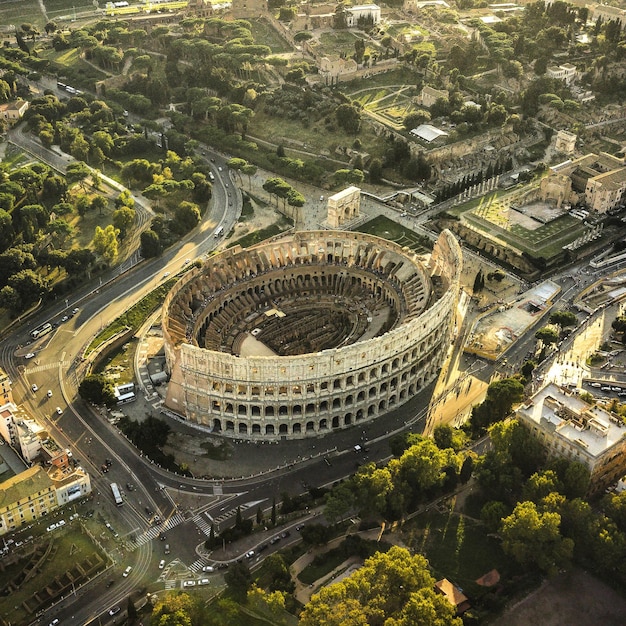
<point>26,497</point>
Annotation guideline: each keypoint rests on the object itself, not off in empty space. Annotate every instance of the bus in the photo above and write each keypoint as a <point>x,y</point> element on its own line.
<point>117,496</point>
<point>218,232</point>
<point>41,331</point>
<point>126,398</point>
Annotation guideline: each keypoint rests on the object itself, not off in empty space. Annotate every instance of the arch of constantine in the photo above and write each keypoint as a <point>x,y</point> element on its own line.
<point>311,332</point>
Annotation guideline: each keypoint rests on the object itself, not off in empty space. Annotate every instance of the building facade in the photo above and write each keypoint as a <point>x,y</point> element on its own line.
<point>34,493</point>
<point>356,324</point>
<point>343,207</point>
<point>569,427</point>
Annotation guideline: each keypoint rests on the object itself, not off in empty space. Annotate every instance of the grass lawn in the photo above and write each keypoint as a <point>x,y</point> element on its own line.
<point>386,228</point>
<point>67,63</point>
<point>69,547</point>
<point>315,571</point>
<point>265,35</point>
<point>457,548</point>
<point>64,9</point>
<point>22,12</point>
<point>400,76</point>
<point>338,42</point>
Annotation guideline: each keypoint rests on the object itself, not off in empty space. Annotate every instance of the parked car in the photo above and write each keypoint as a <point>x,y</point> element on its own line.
<point>114,611</point>
<point>127,571</point>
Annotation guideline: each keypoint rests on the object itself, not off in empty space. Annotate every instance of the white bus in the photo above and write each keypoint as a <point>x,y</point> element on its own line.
<point>126,398</point>
<point>117,496</point>
<point>41,331</point>
<point>218,232</point>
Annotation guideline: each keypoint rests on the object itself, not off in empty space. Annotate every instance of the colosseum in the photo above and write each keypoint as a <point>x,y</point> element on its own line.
<point>308,333</point>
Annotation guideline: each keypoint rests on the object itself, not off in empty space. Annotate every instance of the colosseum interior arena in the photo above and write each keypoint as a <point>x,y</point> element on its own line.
<point>309,333</point>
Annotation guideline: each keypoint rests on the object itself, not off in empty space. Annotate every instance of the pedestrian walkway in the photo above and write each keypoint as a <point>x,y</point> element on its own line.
<point>155,531</point>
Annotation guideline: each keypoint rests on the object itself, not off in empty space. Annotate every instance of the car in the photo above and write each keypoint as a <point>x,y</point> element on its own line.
<point>54,622</point>
<point>167,548</point>
<point>64,319</point>
<point>212,159</point>
<point>187,261</point>
<point>104,468</point>
<point>130,486</point>
<point>127,571</point>
<point>208,568</point>
<point>204,581</point>
<point>162,536</point>
<point>161,563</point>
<point>274,540</point>
<point>219,168</point>
<point>110,583</point>
<point>59,410</point>
<point>34,388</point>
<point>285,534</point>
<point>30,355</point>
<point>261,547</point>
<point>75,310</point>
<point>166,274</point>
<point>125,113</point>
<point>249,554</point>
<point>108,462</point>
<point>49,393</point>
<point>114,611</point>
<point>189,583</point>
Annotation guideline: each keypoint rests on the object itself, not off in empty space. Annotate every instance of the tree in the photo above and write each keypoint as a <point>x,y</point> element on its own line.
<point>98,389</point>
<point>548,335</point>
<point>186,217</point>
<point>131,610</point>
<point>30,286</point>
<point>393,588</point>
<point>150,244</point>
<point>349,118</point>
<point>376,171</point>
<point>563,319</point>
<point>249,170</point>
<point>77,172</point>
<point>99,203</point>
<point>123,219</point>
<point>534,538</point>
<point>105,242</point>
<point>239,580</point>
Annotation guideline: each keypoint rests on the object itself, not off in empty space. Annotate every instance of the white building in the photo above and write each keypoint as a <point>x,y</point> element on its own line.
<point>569,427</point>
<point>566,72</point>
<point>355,13</point>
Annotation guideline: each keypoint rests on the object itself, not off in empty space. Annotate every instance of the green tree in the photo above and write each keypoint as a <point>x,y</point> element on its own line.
<point>563,319</point>
<point>105,242</point>
<point>534,539</point>
<point>76,173</point>
<point>186,217</point>
<point>150,244</point>
<point>392,587</point>
<point>239,580</point>
<point>349,118</point>
<point>548,335</point>
<point>123,220</point>
<point>98,389</point>
<point>30,286</point>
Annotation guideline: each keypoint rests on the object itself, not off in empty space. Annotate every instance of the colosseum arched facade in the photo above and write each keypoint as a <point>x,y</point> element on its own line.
<point>308,333</point>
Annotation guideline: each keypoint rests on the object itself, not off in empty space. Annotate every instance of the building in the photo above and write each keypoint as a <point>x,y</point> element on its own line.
<point>13,111</point>
<point>608,13</point>
<point>34,493</point>
<point>362,11</point>
<point>566,72</point>
<point>453,595</point>
<point>429,95</point>
<point>599,179</point>
<point>428,132</point>
<point>569,427</point>
<point>332,68</point>
<point>6,394</point>
<point>565,142</point>
<point>344,206</point>
<point>308,333</point>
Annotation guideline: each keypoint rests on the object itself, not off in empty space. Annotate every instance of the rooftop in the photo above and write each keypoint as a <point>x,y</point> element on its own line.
<point>591,428</point>
<point>31,481</point>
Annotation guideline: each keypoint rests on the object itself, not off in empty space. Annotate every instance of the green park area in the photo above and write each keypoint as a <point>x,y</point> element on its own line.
<point>489,215</point>
<point>33,578</point>
<point>382,226</point>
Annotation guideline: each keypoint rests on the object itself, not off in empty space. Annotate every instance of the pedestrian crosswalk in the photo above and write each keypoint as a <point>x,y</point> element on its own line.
<point>197,565</point>
<point>202,523</point>
<point>154,531</point>
<point>47,366</point>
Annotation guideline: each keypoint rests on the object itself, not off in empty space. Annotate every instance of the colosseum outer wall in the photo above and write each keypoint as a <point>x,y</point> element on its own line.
<point>310,394</point>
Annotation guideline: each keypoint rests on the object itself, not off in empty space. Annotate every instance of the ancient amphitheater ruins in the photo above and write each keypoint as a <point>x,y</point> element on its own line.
<point>309,333</point>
